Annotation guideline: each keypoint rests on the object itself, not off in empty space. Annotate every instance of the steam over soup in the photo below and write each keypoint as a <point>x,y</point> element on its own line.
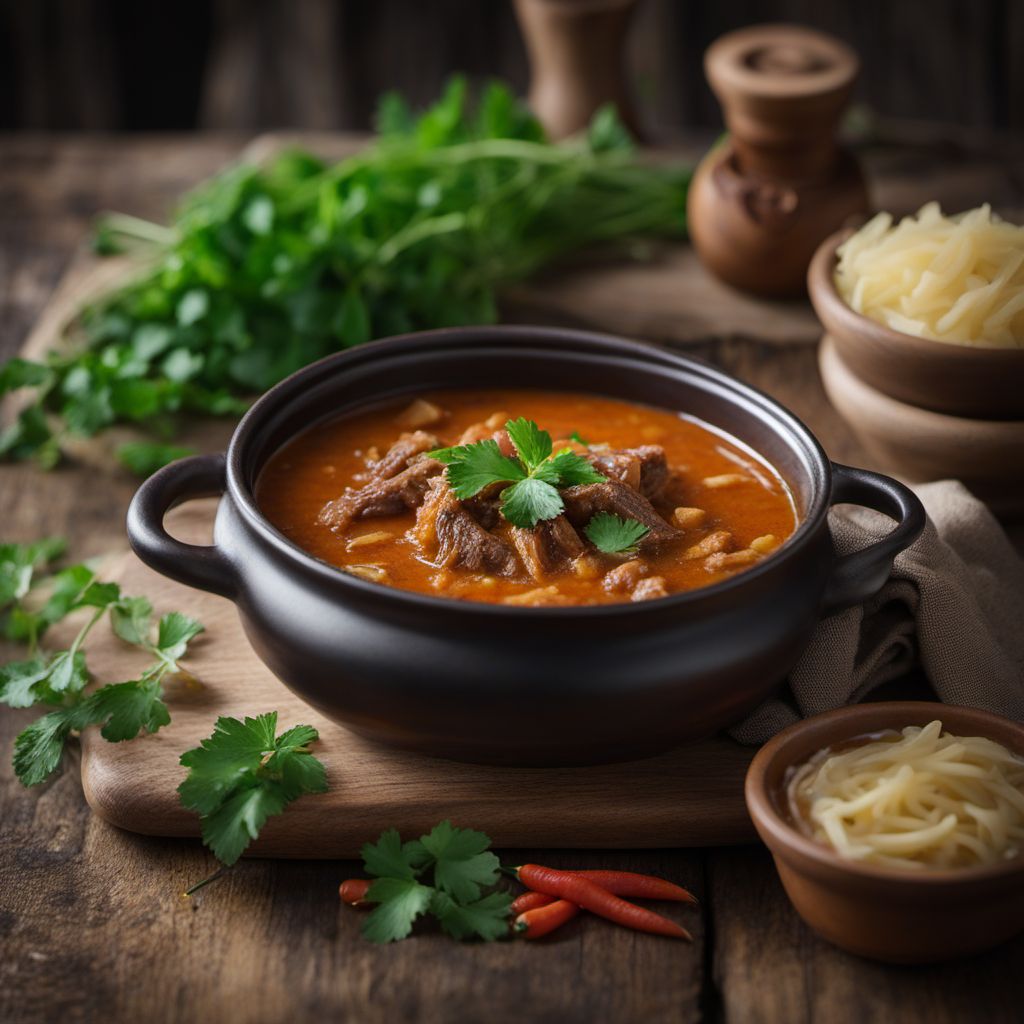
<point>526,497</point>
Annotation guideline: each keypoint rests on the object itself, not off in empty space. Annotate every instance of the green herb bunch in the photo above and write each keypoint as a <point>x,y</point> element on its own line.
<point>449,873</point>
<point>32,600</point>
<point>266,269</point>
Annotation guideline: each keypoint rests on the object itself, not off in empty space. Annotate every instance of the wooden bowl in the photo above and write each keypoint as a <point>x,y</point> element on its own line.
<point>879,912</point>
<point>965,380</point>
<point>919,445</point>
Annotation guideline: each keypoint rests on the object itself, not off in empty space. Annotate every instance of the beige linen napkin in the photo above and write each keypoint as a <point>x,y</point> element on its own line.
<point>954,604</point>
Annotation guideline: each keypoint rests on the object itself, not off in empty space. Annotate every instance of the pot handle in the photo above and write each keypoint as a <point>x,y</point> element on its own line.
<point>201,566</point>
<point>860,574</point>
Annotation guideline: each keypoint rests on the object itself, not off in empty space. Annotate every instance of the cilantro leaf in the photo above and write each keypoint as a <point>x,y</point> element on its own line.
<point>18,681</point>
<point>614,535</point>
<point>39,747</point>
<point>461,864</point>
<point>574,469</point>
<point>388,858</point>
<point>529,501</point>
<point>67,672</point>
<point>575,436</point>
<point>143,458</point>
<point>401,900</point>
<point>236,822</point>
<point>173,635</point>
<point>531,443</point>
<point>18,563</point>
<point>472,467</point>
<point>126,709</point>
<point>486,918</point>
<point>131,619</point>
<point>242,774</point>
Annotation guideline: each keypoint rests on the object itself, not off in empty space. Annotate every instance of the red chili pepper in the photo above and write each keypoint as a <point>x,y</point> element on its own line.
<point>629,883</point>
<point>353,891</point>
<point>589,895</point>
<point>542,920</point>
<point>530,901</point>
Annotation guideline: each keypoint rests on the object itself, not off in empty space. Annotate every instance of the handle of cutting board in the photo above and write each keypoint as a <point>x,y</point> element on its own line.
<point>205,567</point>
<point>860,574</point>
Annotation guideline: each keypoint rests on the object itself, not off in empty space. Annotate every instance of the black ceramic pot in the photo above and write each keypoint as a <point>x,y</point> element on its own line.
<point>521,685</point>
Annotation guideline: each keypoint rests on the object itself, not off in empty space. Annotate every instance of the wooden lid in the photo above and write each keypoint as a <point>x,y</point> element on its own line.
<point>780,62</point>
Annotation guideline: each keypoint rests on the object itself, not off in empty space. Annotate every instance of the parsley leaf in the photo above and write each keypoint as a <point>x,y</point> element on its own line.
<point>401,901</point>
<point>534,476</point>
<point>574,469</point>
<point>143,458</point>
<point>614,535</point>
<point>387,858</point>
<point>575,436</point>
<point>38,748</point>
<point>486,918</point>
<point>472,467</point>
<point>531,443</point>
<point>460,863</point>
<point>60,678</point>
<point>243,774</point>
<point>126,709</point>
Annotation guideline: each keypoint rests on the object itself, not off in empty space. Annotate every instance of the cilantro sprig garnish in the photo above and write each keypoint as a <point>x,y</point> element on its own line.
<point>614,535</point>
<point>32,600</point>
<point>444,873</point>
<point>533,476</point>
<point>243,774</point>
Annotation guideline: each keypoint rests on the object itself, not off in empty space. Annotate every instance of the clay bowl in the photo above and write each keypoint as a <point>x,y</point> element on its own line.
<point>963,380</point>
<point>878,912</point>
<point>919,444</point>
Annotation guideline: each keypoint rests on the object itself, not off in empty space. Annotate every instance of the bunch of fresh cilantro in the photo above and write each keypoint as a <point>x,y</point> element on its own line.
<point>32,600</point>
<point>266,269</point>
<point>444,873</point>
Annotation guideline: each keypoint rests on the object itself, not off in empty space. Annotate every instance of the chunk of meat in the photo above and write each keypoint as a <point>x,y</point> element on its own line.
<point>447,531</point>
<point>402,452</point>
<point>645,469</point>
<point>548,546</point>
<point>584,501</point>
<point>483,431</point>
<point>650,588</point>
<point>382,497</point>
<point>626,576</point>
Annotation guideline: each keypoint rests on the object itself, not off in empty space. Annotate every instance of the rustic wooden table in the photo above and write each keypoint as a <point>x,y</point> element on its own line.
<point>92,921</point>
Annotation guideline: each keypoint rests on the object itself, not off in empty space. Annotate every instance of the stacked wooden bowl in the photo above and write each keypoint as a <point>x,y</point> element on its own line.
<point>924,409</point>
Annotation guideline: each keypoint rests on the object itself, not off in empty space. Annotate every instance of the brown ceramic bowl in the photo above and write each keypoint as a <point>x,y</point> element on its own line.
<point>965,380</point>
<point>877,912</point>
<point>918,444</point>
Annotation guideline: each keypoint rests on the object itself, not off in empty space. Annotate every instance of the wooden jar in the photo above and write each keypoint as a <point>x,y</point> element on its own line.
<point>770,192</point>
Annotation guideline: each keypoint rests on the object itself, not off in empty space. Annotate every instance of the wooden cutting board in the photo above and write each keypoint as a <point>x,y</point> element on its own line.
<point>692,796</point>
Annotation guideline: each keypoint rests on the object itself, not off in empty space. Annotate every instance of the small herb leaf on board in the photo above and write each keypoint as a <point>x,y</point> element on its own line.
<point>243,774</point>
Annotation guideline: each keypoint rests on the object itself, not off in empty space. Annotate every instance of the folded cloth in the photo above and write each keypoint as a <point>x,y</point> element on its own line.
<point>954,604</point>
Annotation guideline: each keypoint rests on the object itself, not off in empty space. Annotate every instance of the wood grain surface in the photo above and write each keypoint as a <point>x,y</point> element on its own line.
<point>91,921</point>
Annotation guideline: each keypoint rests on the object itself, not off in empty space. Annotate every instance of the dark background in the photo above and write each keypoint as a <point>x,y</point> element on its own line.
<point>246,65</point>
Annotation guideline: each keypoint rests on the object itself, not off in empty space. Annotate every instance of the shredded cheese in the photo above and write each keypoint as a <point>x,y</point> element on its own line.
<point>956,279</point>
<point>918,799</point>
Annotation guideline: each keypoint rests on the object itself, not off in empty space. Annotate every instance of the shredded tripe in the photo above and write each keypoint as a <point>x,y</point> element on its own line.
<point>917,799</point>
<point>958,279</point>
